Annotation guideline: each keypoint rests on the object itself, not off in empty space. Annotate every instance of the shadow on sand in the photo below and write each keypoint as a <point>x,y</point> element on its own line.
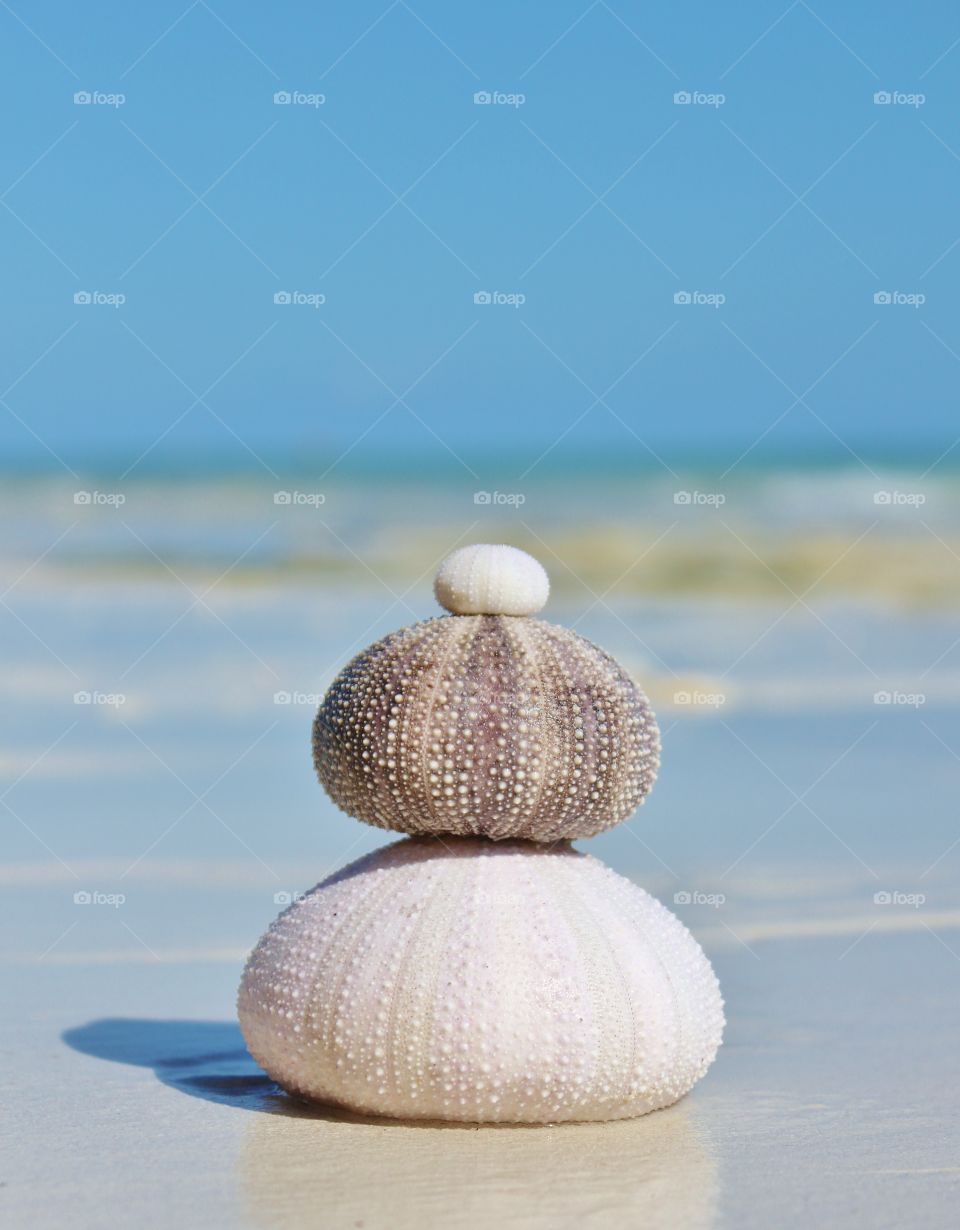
<point>209,1059</point>
<point>206,1059</point>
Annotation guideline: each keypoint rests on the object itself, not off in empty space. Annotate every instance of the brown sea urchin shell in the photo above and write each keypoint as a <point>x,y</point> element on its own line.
<point>501,726</point>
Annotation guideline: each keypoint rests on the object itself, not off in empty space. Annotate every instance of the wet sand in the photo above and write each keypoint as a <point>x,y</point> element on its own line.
<point>833,1101</point>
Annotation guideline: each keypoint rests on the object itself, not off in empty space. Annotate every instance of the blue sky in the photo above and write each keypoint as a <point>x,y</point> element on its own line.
<point>596,197</point>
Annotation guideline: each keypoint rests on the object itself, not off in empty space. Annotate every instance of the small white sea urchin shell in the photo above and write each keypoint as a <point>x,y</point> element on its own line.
<point>480,982</point>
<point>491,580</point>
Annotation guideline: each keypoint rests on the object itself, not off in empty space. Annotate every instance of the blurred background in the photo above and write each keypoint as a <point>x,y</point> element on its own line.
<point>297,299</point>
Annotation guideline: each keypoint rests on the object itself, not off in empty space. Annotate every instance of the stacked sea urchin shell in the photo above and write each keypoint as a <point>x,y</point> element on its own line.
<point>481,969</point>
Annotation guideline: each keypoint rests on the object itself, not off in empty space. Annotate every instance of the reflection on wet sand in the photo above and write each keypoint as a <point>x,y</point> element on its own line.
<point>305,1165</point>
<point>323,1167</point>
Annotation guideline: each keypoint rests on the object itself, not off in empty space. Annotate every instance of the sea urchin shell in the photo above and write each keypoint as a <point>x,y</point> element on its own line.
<point>491,580</point>
<point>486,725</point>
<point>473,981</point>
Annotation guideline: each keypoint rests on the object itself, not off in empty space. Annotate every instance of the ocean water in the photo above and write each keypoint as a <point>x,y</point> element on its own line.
<point>165,642</point>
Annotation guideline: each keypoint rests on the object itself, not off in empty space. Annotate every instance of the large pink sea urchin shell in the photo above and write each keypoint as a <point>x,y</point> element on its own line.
<point>468,980</point>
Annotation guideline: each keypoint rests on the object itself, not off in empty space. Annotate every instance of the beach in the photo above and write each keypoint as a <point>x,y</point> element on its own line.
<point>163,661</point>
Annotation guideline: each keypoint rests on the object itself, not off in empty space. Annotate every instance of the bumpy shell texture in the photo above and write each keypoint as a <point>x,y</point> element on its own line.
<point>491,580</point>
<point>489,725</point>
<point>480,982</point>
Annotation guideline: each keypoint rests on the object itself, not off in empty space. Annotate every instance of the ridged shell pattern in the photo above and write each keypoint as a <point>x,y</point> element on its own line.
<point>491,580</point>
<point>477,981</point>
<point>484,724</point>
